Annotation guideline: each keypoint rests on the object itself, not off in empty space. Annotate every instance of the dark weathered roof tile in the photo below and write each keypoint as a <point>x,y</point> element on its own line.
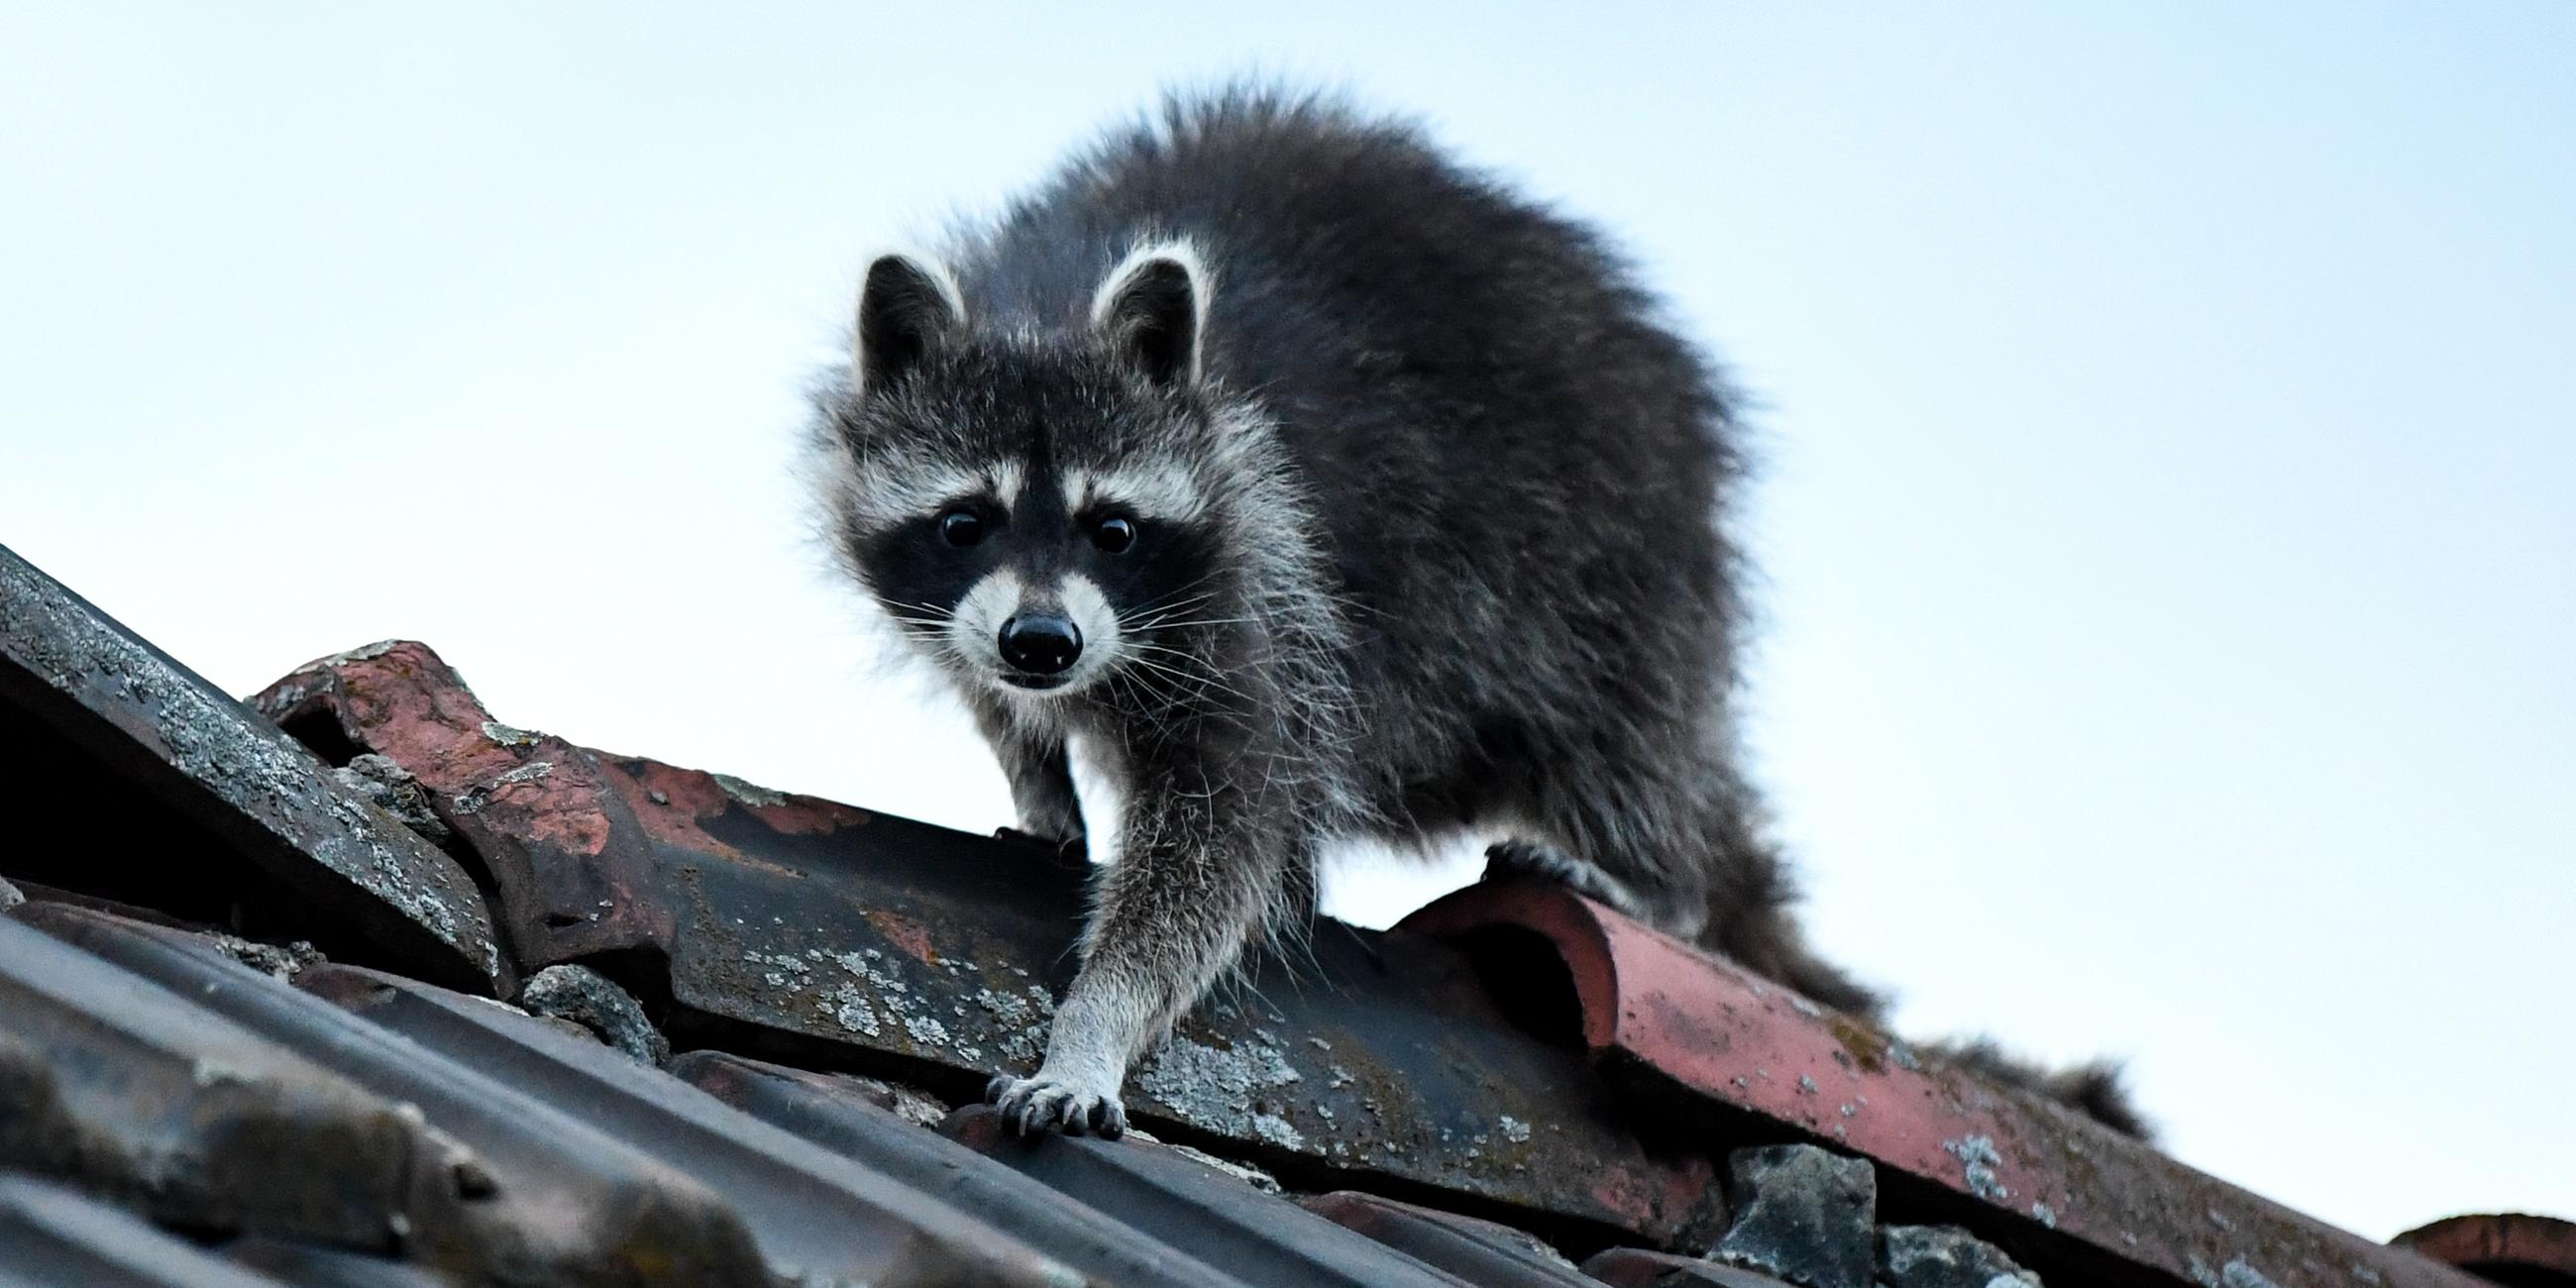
<point>837,1114</point>
<point>1255,1237</point>
<point>53,1235</point>
<point>1641,1268</point>
<point>1480,1252</point>
<point>186,788</point>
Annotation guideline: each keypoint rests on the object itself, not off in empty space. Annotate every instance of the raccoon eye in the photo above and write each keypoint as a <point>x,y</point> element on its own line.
<point>961,528</point>
<point>1113,535</point>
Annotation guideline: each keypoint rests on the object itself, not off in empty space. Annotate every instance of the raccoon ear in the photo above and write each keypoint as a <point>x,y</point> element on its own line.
<point>905,308</point>
<point>1152,308</point>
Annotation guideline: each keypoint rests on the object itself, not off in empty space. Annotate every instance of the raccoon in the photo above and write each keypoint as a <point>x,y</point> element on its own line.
<point>1322,489</point>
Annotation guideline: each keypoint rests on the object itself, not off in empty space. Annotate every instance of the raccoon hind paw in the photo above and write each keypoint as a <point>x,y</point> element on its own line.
<point>1519,858</point>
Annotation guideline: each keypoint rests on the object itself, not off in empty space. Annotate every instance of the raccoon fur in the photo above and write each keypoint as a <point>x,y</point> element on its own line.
<point>1323,489</point>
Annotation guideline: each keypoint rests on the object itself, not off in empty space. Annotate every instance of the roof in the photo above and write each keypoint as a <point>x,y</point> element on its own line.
<point>354,983</point>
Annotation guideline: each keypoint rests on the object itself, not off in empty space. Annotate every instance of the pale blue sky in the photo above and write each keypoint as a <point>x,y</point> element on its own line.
<point>2169,413</point>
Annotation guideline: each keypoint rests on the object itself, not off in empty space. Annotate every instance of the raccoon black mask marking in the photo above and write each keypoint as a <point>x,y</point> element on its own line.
<point>1325,490</point>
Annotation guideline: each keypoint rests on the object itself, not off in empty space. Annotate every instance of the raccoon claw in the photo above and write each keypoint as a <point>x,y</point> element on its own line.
<point>1071,847</point>
<point>1030,1106</point>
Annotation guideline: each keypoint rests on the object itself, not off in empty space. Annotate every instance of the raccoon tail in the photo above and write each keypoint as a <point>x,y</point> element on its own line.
<point>2092,1088</point>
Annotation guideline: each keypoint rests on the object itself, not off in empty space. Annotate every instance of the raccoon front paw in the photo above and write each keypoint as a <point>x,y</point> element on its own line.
<point>1032,1105</point>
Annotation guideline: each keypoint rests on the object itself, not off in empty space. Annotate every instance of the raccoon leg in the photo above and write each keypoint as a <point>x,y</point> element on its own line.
<point>1040,774</point>
<point>1200,869</point>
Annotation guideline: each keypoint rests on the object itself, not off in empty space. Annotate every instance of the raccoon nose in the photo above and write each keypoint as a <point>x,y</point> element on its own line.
<point>1041,643</point>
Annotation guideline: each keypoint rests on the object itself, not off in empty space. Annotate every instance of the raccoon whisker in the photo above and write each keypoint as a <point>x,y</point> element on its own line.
<point>1147,621</point>
<point>1184,686</point>
<point>1166,648</point>
<point>1185,587</point>
<point>1172,600</point>
<point>1135,674</point>
<point>1203,682</point>
<point>1195,673</point>
<point>1198,688</point>
<point>1162,624</point>
<point>936,612</point>
<point>1158,624</point>
<point>1156,627</point>
<point>1176,592</point>
<point>1166,693</point>
<point>1179,595</point>
<point>1192,659</point>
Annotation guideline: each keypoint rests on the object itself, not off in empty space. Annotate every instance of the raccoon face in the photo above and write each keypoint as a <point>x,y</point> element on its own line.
<point>1031,509</point>
<point>1041,579</point>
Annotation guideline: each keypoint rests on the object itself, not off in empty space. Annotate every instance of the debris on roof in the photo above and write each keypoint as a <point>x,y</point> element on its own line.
<point>356,984</point>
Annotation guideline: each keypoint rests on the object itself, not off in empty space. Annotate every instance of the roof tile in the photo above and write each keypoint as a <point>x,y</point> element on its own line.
<point>837,1114</point>
<point>1480,1252</point>
<point>50,1234</point>
<point>2511,1247</point>
<point>121,712</point>
<point>1261,1240</point>
<point>1641,1268</point>
<point>1709,1048</point>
